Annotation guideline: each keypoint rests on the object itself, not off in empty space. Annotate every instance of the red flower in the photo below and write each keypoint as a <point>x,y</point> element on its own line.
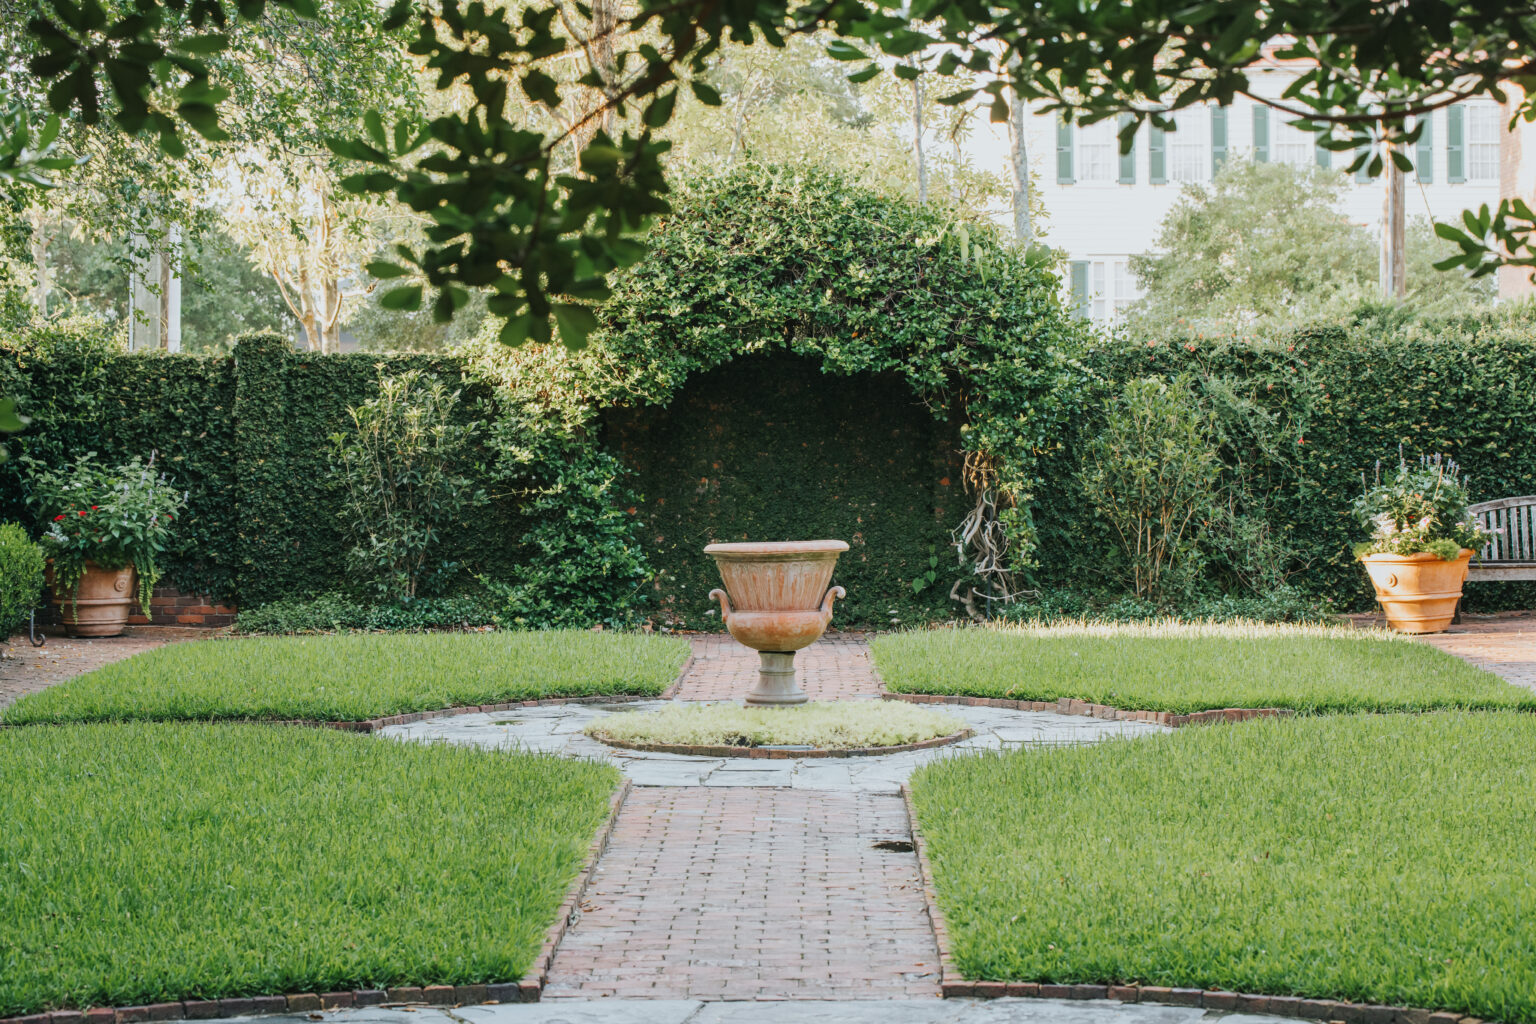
<point>80,512</point>
<point>94,507</point>
<point>58,517</point>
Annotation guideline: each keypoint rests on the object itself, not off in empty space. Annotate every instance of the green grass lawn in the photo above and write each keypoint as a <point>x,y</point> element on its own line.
<point>157,861</point>
<point>1192,668</point>
<point>1382,859</point>
<point>353,677</point>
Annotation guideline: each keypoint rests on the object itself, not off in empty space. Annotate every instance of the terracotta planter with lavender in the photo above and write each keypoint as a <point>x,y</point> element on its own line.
<point>1418,593</point>
<point>100,604</point>
<point>776,601</point>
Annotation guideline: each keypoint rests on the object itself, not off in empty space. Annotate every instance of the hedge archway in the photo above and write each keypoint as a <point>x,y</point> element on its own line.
<point>765,259</point>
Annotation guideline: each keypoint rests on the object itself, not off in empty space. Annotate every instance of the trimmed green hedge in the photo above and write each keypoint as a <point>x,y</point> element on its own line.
<point>246,436</point>
<point>1338,398</point>
<point>791,418</point>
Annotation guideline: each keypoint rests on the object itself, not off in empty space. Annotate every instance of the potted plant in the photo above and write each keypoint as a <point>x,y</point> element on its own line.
<point>106,528</point>
<point>1421,541</point>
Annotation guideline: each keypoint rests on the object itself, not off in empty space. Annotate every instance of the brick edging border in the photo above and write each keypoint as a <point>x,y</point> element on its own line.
<point>532,983</point>
<point>526,989</point>
<point>952,985</point>
<point>785,753</point>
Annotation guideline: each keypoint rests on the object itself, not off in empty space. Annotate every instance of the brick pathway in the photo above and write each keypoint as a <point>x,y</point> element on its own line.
<point>1505,647</point>
<point>752,894</point>
<point>836,667</point>
<point>26,669</point>
<point>1504,644</point>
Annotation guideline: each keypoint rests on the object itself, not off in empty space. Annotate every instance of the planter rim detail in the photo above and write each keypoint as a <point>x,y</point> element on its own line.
<point>776,549</point>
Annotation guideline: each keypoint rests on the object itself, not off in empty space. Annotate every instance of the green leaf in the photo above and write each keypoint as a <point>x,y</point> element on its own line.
<point>11,421</point>
<point>407,298</point>
<point>660,110</point>
<point>386,270</point>
<point>706,94</point>
<point>575,322</point>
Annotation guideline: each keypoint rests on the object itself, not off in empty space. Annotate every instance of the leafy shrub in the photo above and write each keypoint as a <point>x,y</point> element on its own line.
<point>21,577</point>
<point>395,467</point>
<point>1150,474</point>
<point>114,516</point>
<point>1418,509</point>
<point>332,613</point>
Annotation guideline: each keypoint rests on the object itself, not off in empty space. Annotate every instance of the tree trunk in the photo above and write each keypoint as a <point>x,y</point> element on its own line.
<point>917,139</point>
<point>1393,272</point>
<point>39,245</point>
<point>1023,223</point>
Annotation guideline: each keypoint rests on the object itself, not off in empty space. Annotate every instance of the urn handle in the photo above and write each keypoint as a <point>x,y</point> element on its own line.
<point>826,602</point>
<point>725,603</point>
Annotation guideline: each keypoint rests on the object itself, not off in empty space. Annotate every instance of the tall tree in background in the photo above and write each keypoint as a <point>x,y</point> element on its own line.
<point>1268,243</point>
<point>545,241</point>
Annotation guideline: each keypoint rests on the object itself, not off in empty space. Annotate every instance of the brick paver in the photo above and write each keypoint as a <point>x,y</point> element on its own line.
<point>1504,644</point>
<point>836,667</point>
<point>752,894</point>
<point>26,669</point>
<point>1505,647</point>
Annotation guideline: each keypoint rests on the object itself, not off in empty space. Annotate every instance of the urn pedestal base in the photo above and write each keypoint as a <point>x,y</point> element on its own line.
<point>776,686</point>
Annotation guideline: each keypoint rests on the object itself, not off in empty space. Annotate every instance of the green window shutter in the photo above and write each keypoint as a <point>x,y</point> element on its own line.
<point>1157,168</point>
<point>1424,151</point>
<point>1064,175</point>
<point>1218,139</point>
<point>1261,133</point>
<point>1080,304</point>
<point>1455,144</point>
<point>1323,156</point>
<point>1127,160</point>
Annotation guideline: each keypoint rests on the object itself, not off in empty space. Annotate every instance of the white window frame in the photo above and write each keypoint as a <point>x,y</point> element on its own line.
<point>1484,131</point>
<point>1290,145</point>
<point>1098,153</point>
<point>1187,151</point>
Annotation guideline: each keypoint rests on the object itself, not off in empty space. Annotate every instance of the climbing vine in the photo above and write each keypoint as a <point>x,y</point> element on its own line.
<point>764,260</point>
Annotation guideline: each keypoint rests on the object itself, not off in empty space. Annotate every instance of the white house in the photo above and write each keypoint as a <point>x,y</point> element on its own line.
<point>1103,206</point>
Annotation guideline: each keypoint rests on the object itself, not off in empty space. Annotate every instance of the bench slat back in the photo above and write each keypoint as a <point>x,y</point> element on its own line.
<point>1513,523</point>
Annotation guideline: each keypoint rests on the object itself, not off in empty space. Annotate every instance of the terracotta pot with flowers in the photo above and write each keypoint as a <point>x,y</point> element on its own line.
<point>106,529</point>
<point>1422,538</point>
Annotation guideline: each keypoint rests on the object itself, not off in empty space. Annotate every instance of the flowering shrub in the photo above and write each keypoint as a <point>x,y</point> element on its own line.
<point>114,516</point>
<point>1418,509</point>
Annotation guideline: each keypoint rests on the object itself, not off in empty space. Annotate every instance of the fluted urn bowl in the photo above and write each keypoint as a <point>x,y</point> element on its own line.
<point>776,601</point>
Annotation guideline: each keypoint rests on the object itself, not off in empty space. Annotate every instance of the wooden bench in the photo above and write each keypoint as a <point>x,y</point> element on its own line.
<point>1511,554</point>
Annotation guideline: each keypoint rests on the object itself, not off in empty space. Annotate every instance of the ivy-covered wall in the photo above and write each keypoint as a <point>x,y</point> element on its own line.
<point>770,447</point>
<point>1312,412</point>
<point>247,437</point>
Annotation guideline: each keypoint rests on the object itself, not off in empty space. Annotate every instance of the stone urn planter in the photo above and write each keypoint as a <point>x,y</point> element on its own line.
<point>776,601</point>
<point>101,603</point>
<point>1418,592</point>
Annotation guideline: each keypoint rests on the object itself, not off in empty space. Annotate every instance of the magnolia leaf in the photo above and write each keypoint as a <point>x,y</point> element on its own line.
<point>406,298</point>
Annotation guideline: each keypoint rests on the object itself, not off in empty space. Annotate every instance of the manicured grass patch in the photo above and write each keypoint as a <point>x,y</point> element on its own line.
<point>1186,668</point>
<point>1380,859</point>
<point>150,862</point>
<point>842,725</point>
<point>349,678</point>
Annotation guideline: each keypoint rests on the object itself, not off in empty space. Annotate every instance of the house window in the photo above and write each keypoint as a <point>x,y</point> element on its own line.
<point>1101,289</point>
<point>1483,131</point>
<point>1189,148</point>
<point>1098,152</point>
<point>1291,145</point>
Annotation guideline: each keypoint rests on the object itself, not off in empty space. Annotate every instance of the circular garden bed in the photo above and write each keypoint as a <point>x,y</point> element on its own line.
<point>818,729</point>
